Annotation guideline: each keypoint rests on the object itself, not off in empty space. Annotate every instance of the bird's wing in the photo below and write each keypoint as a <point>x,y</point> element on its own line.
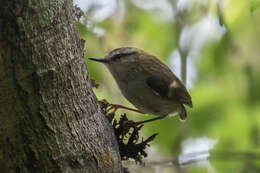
<point>170,88</point>
<point>159,84</point>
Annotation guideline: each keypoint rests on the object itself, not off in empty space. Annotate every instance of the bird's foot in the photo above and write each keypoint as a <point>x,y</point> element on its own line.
<point>114,107</point>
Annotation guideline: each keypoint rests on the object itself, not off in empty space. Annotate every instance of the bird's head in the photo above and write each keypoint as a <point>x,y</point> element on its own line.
<point>120,56</point>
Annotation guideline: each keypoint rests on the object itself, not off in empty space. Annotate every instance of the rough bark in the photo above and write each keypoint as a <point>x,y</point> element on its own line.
<point>49,117</point>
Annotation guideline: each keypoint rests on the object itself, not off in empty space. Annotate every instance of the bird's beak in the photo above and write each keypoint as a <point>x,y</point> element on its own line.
<point>102,60</point>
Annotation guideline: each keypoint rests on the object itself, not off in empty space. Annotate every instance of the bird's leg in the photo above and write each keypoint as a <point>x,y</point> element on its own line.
<point>146,121</point>
<point>116,106</point>
<point>106,106</point>
<point>110,106</point>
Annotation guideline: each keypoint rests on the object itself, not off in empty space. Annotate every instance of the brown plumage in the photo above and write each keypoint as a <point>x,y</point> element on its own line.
<point>147,83</point>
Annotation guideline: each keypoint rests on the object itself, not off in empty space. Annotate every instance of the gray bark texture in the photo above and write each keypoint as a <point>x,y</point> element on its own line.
<point>50,120</point>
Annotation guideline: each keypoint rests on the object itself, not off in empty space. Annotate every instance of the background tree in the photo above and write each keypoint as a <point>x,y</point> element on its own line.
<point>50,120</point>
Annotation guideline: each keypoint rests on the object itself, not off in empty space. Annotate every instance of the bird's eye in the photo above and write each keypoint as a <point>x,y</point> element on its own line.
<point>117,57</point>
<point>124,55</point>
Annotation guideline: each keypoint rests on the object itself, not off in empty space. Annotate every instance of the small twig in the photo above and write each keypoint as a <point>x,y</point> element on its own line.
<point>94,84</point>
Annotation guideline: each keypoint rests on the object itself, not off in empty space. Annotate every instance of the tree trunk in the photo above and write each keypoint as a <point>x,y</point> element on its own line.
<point>50,120</point>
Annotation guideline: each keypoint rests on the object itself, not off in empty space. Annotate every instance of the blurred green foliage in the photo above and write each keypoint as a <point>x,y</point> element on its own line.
<point>226,93</point>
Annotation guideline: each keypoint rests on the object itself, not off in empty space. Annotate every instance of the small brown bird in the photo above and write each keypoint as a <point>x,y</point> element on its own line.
<point>147,83</point>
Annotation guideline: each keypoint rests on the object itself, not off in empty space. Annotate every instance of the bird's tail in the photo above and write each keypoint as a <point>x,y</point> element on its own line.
<point>183,113</point>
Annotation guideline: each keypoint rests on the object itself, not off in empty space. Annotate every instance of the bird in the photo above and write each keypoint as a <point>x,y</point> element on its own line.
<point>147,83</point>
